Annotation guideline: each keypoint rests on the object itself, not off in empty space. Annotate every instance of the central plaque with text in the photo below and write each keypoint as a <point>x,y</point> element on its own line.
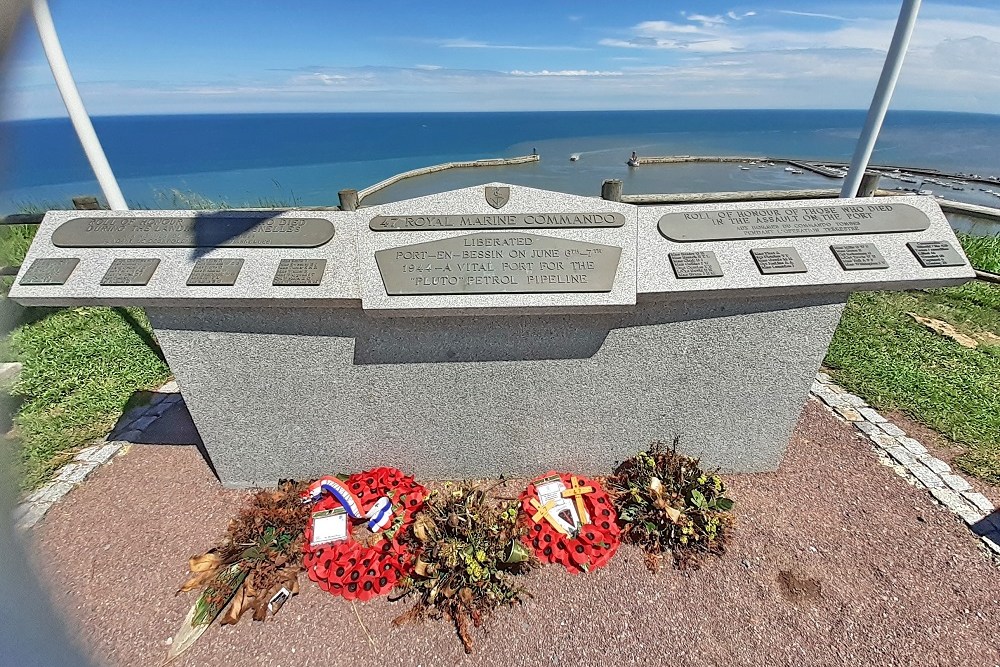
<point>405,223</point>
<point>783,222</point>
<point>193,232</point>
<point>498,262</point>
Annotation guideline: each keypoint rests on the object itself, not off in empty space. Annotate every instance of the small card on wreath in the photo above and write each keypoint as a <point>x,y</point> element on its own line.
<point>329,526</point>
<point>551,488</point>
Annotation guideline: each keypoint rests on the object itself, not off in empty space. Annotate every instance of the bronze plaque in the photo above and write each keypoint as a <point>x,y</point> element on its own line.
<point>859,257</point>
<point>193,232</point>
<point>49,271</point>
<point>700,264</point>
<point>498,262</point>
<point>215,272</point>
<point>417,222</point>
<point>302,272</point>
<point>129,271</point>
<point>935,253</point>
<point>777,221</point>
<point>778,260</point>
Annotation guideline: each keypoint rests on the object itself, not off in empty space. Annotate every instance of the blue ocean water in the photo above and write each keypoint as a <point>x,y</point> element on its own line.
<point>305,159</point>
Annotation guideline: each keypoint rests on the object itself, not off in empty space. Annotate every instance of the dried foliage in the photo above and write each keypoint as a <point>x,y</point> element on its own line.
<point>460,541</point>
<point>260,555</point>
<point>667,504</point>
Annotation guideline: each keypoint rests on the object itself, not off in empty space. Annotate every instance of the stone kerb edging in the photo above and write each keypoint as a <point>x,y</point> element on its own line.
<point>910,459</point>
<point>87,460</point>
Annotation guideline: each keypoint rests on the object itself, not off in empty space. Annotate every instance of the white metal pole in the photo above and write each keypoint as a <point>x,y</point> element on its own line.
<point>74,106</point>
<point>883,94</point>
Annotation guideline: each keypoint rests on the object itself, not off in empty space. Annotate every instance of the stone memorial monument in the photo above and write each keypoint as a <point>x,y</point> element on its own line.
<point>492,330</point>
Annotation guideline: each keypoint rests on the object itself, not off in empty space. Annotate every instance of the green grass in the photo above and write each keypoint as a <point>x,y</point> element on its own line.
<point>81,368</point>
<point>983,251</point>
<point>880,353</point>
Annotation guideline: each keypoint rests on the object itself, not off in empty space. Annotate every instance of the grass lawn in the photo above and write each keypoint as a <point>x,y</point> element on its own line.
<point>880,353</point>
<point>81,367</point>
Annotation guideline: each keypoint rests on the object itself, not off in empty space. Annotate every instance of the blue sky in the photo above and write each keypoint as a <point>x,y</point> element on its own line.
<point>223,56</point>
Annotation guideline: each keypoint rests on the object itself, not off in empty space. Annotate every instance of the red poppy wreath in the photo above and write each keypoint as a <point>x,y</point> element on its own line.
<point>571,520</point>
<point>352,545</point>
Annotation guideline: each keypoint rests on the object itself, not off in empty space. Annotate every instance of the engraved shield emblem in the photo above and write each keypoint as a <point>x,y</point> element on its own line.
<point>497,197</point>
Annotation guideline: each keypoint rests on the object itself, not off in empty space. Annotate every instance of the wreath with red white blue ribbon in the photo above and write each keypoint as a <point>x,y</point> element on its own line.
<point>583,538</point>
<point>380,504</point>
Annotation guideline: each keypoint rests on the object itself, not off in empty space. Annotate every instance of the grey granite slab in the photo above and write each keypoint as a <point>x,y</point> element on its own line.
<point>166,286</point>
<point>304,392</point>
<point>472,201</point>
<point>824,273</point>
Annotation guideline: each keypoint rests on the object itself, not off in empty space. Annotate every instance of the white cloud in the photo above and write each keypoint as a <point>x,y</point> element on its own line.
<point>462,43</point>
<point>832,17</point>
<point>564,72</point>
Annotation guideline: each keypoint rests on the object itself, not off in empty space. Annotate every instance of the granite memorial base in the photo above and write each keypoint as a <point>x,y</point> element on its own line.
<point>492,330</point>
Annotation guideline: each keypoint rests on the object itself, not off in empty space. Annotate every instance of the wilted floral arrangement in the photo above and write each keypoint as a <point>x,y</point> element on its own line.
<point>667,504</point>
<point>468,558</point>
<point>255,567</point>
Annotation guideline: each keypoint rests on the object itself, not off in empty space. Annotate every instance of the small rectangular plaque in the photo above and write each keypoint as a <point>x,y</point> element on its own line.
<point>701,264</point>
<point>215,272</point>
<point>300,272</point>
<point>859,256</point>
<point>778,260</point>
<point>935,253</point>
<point>49,271</point>
<point>498,263</point>
<point>129,271</point>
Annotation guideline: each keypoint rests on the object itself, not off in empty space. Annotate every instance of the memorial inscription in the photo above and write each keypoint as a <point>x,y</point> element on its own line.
<point>935,253</point>
<point>409,223</point>
<point>130,271</point>
<point>498,262</point>
<point>701,264</point>
<point>215,272</point>
<point>189,232</point>
<point>784,222</point>
<point>49,271</point>
<point>299,272</point>
<point>778,260</point>
<point>859,257</point>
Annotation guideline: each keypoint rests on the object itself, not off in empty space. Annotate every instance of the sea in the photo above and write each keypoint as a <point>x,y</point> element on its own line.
<point>203,161</point>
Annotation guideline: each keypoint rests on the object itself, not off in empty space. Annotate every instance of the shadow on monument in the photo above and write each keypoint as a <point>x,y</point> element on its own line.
<point>408,340</point>
<point>216,228</point>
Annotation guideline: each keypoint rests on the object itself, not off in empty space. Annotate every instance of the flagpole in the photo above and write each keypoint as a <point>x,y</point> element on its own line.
<point>883,94</point>
<point>74,106</point>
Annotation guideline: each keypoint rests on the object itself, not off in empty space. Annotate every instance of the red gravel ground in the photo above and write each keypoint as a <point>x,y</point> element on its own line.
<point>837,561</point>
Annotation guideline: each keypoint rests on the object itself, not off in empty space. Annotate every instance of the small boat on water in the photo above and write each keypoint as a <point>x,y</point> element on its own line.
<point>633,163</point>
<point>744,168</point>
<point>574,157</point>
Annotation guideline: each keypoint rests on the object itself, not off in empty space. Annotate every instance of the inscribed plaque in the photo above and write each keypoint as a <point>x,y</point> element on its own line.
<point>49,271</point>
<point>498,262</point>
<point>777,221</point>
<point>299,272</point>
<point>935,253</point>
<point>859,257</point>
<point>129,271</point>
<point>208,231</point>
<point>701,264</point>
<point>778,260</point>
<point>416,222</point>
<point>215,272</point>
